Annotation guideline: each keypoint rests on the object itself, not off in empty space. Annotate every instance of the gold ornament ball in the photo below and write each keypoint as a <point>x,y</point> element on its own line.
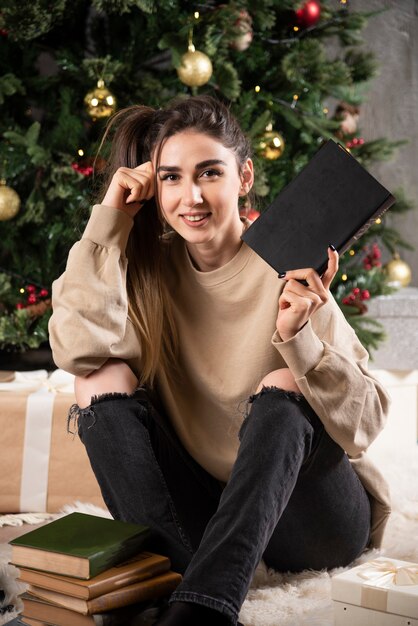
<point>100,102</point>
<point>9,202</point>
<point>195,69</point>
<point>398,273</point>
<point>271,145</point>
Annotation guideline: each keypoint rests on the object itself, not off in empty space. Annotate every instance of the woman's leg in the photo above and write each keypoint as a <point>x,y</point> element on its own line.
<point>284,451</point>
<point>113,377</point>
<point>144,473</point>
<point>327,520</point>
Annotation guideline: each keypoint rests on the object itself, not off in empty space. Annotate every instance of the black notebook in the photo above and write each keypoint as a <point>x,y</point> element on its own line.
<point>333,200</point>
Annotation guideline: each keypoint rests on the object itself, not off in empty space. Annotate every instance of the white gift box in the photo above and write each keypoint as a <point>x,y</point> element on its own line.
<point>382,592</point>
<point>350,615</point>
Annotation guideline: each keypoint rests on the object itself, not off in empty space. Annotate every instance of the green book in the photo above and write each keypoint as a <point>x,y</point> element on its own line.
<point>79,545</point>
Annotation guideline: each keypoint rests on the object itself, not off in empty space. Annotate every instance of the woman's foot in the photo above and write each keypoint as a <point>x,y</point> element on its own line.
<point>192,614</point>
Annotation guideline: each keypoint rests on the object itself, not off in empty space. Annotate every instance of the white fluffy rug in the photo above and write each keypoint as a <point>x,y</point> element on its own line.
<point>302,599</point>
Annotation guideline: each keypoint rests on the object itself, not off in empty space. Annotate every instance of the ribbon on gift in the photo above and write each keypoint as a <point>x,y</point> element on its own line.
<point>381,575</point>
<point>38,429</point>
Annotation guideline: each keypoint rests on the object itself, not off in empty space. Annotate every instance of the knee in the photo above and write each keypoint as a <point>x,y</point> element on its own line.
<point>113,377</point>
<point>282,378</point>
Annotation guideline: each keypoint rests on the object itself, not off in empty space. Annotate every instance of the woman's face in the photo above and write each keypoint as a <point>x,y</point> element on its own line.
<point>199,184</point>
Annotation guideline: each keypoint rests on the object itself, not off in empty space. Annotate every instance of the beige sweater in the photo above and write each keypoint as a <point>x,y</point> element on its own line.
<point>228,343</point>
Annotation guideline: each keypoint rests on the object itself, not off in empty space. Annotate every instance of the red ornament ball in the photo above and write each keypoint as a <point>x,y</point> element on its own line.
<point>249,213</point>
<point>253,214</point>
<point>308,14</point>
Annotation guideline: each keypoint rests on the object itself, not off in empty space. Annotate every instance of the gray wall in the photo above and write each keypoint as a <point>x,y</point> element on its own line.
<point>391,105</point>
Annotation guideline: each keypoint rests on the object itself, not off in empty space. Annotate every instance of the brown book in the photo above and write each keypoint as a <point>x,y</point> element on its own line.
<point>141,567</point>
<point>45,613</point>
<point>37,612</point>
<point>150,589</point>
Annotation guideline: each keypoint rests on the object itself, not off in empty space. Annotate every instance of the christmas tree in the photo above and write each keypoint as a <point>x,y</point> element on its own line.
<point>66,67</point>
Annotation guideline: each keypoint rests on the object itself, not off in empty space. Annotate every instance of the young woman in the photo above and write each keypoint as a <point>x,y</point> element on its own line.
<point>225,407</point>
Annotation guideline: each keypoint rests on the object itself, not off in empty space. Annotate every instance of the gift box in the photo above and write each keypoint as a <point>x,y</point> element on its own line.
<point>382,592</point>
<point>42,466</point>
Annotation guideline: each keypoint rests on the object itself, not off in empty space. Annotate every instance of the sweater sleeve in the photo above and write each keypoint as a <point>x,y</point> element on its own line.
<point>330,367</point>
<point>90,321</point>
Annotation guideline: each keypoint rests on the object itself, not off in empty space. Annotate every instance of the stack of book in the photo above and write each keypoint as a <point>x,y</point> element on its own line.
<point>86,570</point>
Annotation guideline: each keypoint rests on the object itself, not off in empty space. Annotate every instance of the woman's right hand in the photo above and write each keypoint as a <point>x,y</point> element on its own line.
<point>130,188</point>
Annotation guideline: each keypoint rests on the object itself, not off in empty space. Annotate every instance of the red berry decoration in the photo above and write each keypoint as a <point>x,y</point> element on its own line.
<point>308,14</point>
<point>86,171</point>
<point>44,293</point>
<point>355,299</point>
<point>356,141</point>
<point>30,288</point>
<point>372,258</point>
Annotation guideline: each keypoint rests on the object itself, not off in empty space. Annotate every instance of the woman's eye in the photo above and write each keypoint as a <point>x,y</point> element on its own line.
<point>211,173</point>
<point>170,177</point>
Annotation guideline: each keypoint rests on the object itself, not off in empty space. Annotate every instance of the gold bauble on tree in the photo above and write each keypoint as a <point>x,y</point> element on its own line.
<point>195,69</point>
<point>271,145</point>
<point>9,202</point>
<point>100,102</point>
<point>398,273</point>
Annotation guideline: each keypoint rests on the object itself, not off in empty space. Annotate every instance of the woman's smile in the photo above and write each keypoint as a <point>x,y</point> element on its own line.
<point>196,220</point>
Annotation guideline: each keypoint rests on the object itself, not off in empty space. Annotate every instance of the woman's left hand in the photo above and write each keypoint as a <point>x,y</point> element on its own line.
<point>297,302</point>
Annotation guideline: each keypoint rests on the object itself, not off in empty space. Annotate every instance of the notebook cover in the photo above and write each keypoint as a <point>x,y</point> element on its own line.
<point>332,200</point>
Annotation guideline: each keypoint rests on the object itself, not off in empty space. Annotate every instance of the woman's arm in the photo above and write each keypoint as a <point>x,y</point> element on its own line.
<point>90,321</point>
<point>330,367</point>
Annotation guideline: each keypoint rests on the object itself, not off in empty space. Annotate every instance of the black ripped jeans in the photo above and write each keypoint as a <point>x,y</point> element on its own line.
<point>293,498</point>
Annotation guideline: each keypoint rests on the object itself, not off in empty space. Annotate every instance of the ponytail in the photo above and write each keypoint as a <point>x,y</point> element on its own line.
<point>149,306</point>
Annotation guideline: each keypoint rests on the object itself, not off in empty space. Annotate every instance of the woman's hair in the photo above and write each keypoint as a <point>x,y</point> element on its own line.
<point>138,133</point>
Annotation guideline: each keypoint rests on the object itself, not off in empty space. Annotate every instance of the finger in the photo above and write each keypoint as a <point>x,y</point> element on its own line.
<point>300,303</point>
<point>141,191</point>
<point>332,269</point>
<point>137,183</point>
<point>147,166</point>
<point>306,292</point>
<point>133,188</point>
<point>147,170</point>
<point>307,274</point>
